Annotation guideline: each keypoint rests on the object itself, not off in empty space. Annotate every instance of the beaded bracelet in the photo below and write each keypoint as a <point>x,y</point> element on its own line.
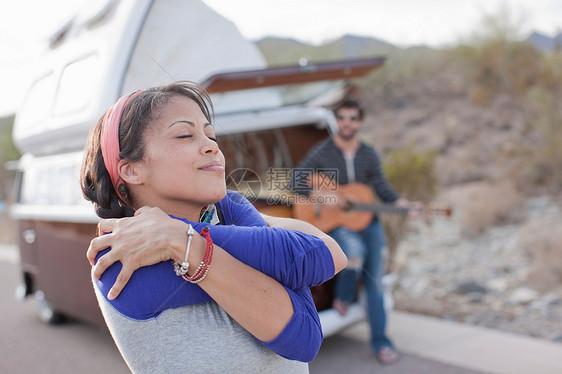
<point>203,268</point>
<point>182,269</point>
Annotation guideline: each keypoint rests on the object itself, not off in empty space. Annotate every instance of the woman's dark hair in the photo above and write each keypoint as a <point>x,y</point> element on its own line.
<point>349,104</point>
<point>138,113</point>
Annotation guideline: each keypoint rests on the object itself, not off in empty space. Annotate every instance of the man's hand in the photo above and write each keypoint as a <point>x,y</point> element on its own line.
<point>415,208</point>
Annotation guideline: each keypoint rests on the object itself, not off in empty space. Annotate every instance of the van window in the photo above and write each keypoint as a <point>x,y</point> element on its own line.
<point>37,105</point>
<point>52,181</point>
<point>77,85</point>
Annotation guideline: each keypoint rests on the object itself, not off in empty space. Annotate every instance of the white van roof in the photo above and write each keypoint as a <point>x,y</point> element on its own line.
<point>115,47</point>
<point>118,46</point>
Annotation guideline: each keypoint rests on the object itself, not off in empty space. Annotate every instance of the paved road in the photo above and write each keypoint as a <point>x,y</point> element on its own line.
<point>29,346</point>
<point>351,356</point>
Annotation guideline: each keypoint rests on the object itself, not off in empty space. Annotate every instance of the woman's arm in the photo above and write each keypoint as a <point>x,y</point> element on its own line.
<point>302,337</point>
<point>284,320</point>
<point>281,318</point>
<point>257,302</point>
<point>291,257</point>
<point>340,259</point>
<point>245,214</point>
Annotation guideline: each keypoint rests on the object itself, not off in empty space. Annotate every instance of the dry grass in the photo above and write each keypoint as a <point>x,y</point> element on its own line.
<point>543,242</point>
<point>486,204</point>
<point>539,156</point>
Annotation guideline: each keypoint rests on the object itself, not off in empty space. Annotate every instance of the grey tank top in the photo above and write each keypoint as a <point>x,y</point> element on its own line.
<point>200,338</point>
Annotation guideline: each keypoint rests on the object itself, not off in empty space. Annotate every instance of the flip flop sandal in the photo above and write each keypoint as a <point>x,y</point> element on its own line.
<point>387,356</point>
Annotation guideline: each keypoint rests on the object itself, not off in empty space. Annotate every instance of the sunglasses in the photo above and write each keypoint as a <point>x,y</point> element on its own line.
<point>351,118</point>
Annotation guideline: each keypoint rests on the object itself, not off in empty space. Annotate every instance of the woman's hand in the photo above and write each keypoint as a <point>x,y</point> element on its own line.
<point>149,237</point>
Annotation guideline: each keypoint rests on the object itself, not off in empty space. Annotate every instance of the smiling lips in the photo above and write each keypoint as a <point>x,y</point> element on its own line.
<point>212,166</point>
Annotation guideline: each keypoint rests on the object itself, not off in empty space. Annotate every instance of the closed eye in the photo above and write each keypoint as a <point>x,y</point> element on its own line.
<point>213,139</point>
<point>184,136</point>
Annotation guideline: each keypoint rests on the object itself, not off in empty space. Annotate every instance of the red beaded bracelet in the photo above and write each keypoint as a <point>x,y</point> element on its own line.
<point>203,268</point>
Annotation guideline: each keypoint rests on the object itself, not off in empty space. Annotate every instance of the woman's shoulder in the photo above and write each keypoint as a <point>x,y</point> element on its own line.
<point>238,210</point>
<point>235,197</point>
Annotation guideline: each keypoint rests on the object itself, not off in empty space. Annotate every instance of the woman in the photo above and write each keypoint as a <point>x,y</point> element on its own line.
<point>222,301</point>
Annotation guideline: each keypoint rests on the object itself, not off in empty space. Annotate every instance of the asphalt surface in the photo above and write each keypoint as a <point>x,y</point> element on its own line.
<point>351,356</point>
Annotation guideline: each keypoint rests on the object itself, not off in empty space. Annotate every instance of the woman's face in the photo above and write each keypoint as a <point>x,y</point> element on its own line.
<point>183,167</point>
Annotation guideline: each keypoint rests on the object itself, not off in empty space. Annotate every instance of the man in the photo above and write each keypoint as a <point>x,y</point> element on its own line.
<point>352,161</point>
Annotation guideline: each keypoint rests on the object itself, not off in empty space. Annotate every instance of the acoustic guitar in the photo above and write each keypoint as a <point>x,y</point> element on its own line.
<point>358,211</point>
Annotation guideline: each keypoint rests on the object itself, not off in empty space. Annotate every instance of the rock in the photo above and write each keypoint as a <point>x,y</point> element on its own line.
<point>543,303</point>
<point>471,287</point>
<point>483,279</point>
<point>475,297</point>
<point>552,299</point>
<point>420,287</point>
<point>497,284</point>
<point>522,295</point>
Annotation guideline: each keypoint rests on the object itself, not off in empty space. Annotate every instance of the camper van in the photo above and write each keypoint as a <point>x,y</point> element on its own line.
<point>265,118</point>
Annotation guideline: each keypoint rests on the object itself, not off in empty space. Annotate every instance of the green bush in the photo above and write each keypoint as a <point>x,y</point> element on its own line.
<point>412,173</point>
<point>538,165</point>
<point>413,176</point>
<point>502,67</point>
<point>8,152</point>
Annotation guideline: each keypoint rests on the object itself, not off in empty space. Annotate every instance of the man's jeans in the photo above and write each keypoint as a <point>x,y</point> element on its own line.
<point>366,251</point>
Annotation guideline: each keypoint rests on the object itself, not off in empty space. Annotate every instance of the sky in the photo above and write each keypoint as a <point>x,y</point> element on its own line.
<point>26,24</point>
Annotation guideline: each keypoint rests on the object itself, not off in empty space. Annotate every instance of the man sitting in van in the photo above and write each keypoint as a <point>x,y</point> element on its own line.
<point>349,160</point>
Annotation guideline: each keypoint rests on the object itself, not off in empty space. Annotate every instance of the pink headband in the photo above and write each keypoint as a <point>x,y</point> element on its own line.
<point>110,142</point>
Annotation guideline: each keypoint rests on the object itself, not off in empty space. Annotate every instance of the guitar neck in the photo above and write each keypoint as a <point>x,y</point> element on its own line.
<point>380,208</point>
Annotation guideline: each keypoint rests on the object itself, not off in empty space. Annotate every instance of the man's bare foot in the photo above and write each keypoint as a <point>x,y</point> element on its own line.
<point>340,306</point>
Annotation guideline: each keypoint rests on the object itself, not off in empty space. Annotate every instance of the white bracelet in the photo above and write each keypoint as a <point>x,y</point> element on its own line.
<point>184,267</point>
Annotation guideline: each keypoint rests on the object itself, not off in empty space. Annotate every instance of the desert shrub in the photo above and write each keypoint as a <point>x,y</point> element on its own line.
<point>413,175</point>
<point>538,165</point>
<point>503,67</point>
<point>406,69</point>
<point>8,152</point>
<point>500,63</point>
<point>543,242</point>
<point>487,204</point>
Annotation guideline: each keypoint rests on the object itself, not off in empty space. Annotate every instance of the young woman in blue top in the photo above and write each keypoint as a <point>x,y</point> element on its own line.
<point>157,148</point>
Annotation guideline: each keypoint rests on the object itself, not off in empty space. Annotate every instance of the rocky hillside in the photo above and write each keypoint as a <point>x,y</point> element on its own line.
<point>496,262</point>
<point>278,51</point>
<point>544,42</point>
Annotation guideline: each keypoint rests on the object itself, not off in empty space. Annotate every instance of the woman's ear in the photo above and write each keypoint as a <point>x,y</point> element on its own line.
<point>130,172</point>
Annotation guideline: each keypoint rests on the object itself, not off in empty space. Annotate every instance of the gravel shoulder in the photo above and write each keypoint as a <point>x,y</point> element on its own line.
<point>504,277</point>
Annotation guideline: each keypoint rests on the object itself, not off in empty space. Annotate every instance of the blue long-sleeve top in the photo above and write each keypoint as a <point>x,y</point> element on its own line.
<point>296,260</point>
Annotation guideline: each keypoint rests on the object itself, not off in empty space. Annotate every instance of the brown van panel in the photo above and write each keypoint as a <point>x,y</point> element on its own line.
<point>64,271</point>
<point>301,139</point>
<point>29,257</point>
